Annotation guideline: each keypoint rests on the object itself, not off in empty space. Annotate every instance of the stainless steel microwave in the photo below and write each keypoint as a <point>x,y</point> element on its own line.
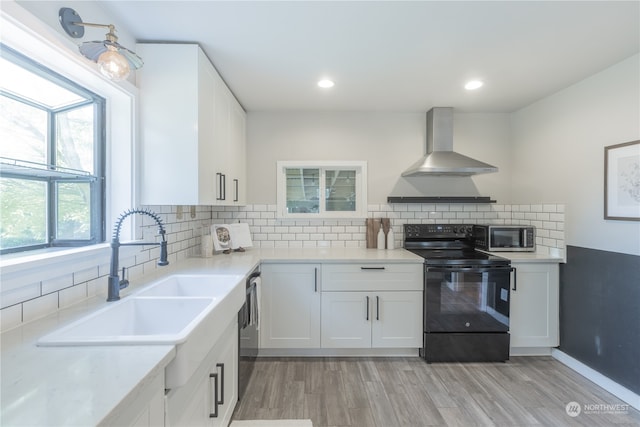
<point>505,238</point>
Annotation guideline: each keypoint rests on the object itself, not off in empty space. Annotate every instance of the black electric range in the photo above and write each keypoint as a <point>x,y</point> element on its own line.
<point>466,295</point>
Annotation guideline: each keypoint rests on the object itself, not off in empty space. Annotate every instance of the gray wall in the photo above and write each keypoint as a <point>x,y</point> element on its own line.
<point>599,317</point>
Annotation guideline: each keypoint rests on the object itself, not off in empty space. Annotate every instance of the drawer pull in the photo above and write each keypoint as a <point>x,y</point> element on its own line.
<point>221,366</point>
<point>214,414</point>
<point>372,268</point>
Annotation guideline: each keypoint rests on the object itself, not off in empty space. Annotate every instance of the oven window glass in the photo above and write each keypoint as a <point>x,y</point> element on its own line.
<point>459,301</point>
<point>505,237</point>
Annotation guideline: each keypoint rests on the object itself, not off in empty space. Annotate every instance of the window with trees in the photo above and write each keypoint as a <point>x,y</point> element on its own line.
<point>51,158</point>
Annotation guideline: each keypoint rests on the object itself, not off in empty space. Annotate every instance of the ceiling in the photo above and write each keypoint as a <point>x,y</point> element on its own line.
<point>393,56</point>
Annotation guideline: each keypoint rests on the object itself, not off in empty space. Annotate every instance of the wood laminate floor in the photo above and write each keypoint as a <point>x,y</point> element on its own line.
<point>389,392</point>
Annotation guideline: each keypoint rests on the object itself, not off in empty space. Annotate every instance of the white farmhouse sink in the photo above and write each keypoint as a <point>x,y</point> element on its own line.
<point>185,285</point>
<point>187,311</point>
<point>134,321</point>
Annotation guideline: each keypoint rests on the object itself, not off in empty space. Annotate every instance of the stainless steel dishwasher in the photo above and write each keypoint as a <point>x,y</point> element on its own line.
<point>248,318</point>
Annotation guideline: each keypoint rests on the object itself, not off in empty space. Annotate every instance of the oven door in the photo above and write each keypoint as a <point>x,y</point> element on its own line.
<point>466,299</point>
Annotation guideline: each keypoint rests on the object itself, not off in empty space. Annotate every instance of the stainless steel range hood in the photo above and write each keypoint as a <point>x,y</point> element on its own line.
<point>440,158</point>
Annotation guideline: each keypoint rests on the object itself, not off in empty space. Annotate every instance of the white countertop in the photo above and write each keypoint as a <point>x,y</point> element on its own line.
<point>531,257</point>
<point>59,386</point>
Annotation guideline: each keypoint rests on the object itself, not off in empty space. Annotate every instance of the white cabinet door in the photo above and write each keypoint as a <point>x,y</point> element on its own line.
<point>187,128</point>
<point>346,320</point>
<point>222,142</point>
<point>290,306</point>
<point>226,367</point>
<point>396,319</point>
<point>210,395</point>
<point>534,310</point>
<point>238,182</point>
<point>371,319</point>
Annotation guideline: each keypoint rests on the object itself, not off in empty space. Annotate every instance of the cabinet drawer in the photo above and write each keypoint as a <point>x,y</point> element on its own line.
<point>372,277</point>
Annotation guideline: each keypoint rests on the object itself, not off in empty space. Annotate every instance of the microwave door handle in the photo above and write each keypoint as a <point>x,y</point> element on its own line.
<point>523,237</point>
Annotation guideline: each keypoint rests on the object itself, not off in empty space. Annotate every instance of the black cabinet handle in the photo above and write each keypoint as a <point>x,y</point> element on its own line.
<point>237,197</point>
<point>372,268</point>
<point>315,279</point>
<point>219,189</point>
<point>367,308</point>
<point>221,366</point>
<point>377,307</point>
<point>515,279</point>
<point>214,414</point>
<point>224,187</point>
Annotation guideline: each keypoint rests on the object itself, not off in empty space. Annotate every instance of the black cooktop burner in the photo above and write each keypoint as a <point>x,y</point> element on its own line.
<point>447,245</point>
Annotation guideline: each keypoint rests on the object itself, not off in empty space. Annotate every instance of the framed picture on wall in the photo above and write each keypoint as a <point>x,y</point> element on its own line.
<point>622,181</point>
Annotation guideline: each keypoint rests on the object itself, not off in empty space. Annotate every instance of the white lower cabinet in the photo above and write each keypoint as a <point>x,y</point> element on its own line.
<point>372,305</point>
<point>534,312</point>
<point>371,319</point>
<point>290,306</point>
<point>210,396</point>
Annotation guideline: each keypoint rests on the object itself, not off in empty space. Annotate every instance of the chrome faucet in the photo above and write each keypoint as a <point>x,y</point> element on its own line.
<point>115,283</point>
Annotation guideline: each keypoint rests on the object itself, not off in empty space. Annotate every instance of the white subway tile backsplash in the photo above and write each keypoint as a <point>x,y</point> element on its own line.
<point>85,275</point>
<point>10,317</point>
<point>39,307</point>
<point>57,283</point>
<point>26,303</point>
<point>72,295</point>
<point>20,294</point>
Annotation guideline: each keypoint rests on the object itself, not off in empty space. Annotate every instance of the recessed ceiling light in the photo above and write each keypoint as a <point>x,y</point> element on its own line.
<point>326,84</point>
<point>473,85</point>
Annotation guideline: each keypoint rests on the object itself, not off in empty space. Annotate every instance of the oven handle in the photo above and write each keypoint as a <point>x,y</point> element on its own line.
<point>469,269</point>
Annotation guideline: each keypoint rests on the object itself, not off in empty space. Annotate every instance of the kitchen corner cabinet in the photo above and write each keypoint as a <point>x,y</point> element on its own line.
<point>211,394</point>
<point>290,306</point>
<point>372,306</point>
<point>192,130</point>
<point>534,313</point>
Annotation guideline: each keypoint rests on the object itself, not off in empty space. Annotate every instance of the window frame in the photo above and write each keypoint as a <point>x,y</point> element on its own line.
<point>360,168</point>
<point>51,174</point>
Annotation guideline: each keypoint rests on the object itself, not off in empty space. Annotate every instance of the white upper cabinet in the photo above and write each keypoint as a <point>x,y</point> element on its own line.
<point>191,128</point>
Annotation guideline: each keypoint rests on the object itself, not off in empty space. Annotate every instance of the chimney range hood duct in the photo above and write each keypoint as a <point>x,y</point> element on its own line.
<point>440,158</point>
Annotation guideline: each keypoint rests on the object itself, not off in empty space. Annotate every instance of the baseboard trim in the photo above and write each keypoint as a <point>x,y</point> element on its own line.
<point>338,352</point>
<point>591,374</point>
<point>530,351</point>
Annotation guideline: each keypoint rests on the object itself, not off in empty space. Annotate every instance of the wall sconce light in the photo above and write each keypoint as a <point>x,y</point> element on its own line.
<point>115,61</point>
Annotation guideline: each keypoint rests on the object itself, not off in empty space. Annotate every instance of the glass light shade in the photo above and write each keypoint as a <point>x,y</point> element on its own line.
<point>113,65</point>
